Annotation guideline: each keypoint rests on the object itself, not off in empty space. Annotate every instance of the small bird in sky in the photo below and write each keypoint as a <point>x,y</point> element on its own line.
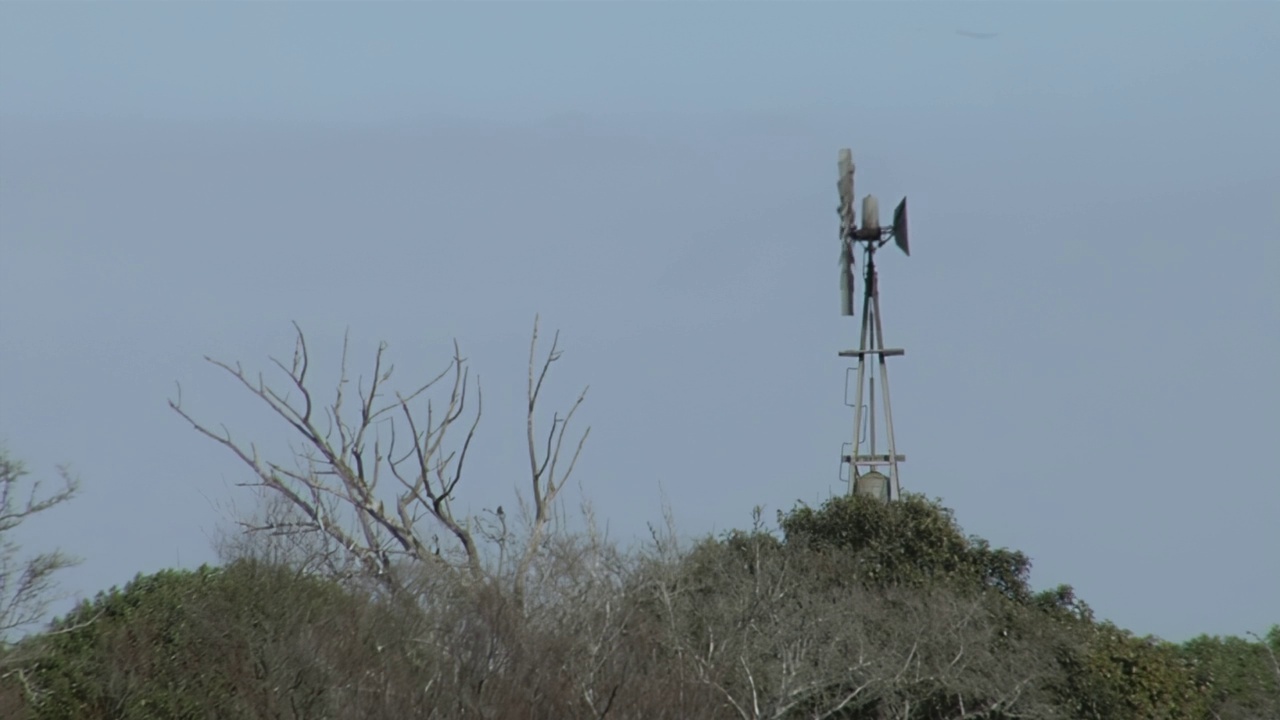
<point>976,35</point>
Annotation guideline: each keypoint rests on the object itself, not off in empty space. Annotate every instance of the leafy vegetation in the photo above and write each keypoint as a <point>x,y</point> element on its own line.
<point>343,601</point>
<point>1242,676</point>
<point>857,610</point>
<point>205,643</point>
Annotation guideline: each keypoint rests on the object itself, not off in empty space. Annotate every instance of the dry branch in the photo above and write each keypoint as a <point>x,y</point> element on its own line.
<point>26,584</point>
<point>332,487</point>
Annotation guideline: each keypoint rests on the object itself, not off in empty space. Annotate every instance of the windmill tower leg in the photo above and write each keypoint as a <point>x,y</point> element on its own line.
<point>856,445</point>
<point>878,473</point>
<point>895,489</point>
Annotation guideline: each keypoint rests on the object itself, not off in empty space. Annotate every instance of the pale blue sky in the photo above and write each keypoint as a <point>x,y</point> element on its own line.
<point>1091,312</point>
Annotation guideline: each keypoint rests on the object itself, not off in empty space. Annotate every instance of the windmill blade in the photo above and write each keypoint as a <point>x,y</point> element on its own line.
<point>846,278</point>
<point>845,186</point>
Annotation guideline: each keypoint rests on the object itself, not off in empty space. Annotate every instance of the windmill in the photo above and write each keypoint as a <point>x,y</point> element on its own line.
<point>870,473</point>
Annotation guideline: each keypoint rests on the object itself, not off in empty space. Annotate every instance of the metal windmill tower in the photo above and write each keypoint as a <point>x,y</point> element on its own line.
<point>870,473</point>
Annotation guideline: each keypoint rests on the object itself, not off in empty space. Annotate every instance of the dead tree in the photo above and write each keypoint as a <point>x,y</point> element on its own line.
<point>411,442</point>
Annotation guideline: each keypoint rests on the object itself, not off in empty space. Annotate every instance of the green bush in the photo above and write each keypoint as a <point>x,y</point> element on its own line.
<point>861,610</point>
<point>186,644</point>
<point>914,541</point>
<point>1243,675</point>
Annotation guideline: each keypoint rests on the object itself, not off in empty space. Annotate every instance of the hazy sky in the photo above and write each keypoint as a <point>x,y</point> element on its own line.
<point>1091,311</point>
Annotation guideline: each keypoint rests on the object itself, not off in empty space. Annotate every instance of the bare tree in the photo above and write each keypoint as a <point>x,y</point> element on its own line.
<point>417,445</point>
<point>26,584</point>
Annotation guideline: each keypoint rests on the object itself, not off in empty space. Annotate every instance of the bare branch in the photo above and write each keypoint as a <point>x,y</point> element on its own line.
<point>543,479</point>
<point>26,584</point>
<point>422,440</point>
<point>334,464</point>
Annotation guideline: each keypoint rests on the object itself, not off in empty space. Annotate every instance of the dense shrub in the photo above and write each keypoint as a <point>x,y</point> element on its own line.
<point>1243,675</point>
<point>914,541</point>
<point>857,610</point>
<point>214,642</point>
